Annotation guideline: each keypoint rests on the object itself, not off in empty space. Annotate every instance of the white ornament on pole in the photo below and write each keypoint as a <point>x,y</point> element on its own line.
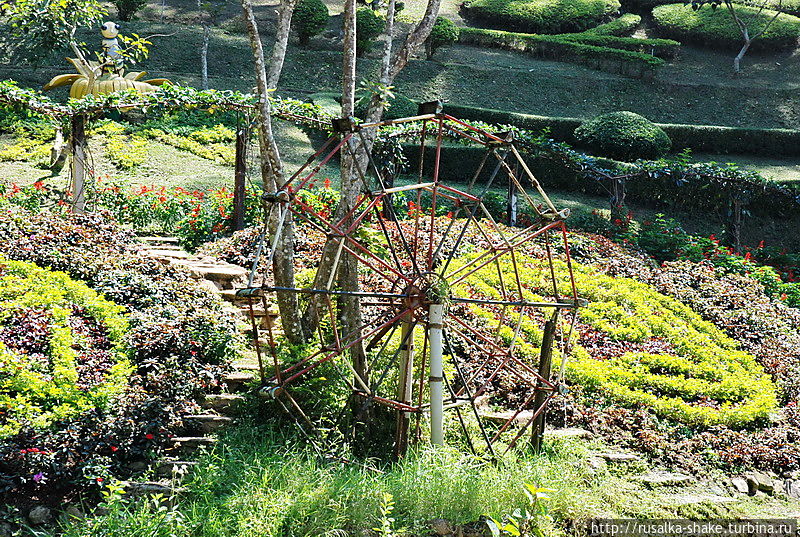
<point>436,378</point>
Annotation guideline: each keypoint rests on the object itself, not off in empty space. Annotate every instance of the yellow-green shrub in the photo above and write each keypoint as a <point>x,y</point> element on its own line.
<point>39,390</point>
<point>707,366</point>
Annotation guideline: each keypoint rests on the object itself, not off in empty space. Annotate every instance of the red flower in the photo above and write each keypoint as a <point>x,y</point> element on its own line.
<point>761,244</point>
<point>327,183</point>
<point>99,479</point>
<point>114,449</point>
<point>149,436</point>
<point>747,256</point>
<point>38,185</point>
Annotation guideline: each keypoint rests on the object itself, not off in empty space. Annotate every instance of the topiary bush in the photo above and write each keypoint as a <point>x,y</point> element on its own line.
<point>126,9</point>
<point>716,28</point>
<point>624,26</point>
<point>541,16</point>
<point>369,25</point>
<point>399,106</point>
<point>309,19</point>
<point>443,33</point>
<point>624,136</point>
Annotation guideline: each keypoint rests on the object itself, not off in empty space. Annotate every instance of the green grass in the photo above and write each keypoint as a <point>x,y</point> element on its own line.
<point>259,482</point>
<point>716,28</point>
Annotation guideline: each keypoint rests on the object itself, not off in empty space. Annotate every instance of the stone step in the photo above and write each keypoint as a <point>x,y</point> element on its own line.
<point>502,417</point>
<point>168,254</point>
<point>238,380</point>
<point>259,312</point>
<point>568,432</point>
<point>619,456</point>
<point>159,240</point>
<point>222,402</point>
<point>144,488</point>
<point>173,468</point>
<point>219,273</point>
<point>207,423</point>
<point>247,365</point>
<point>664,479</point>
<point>190,444</point>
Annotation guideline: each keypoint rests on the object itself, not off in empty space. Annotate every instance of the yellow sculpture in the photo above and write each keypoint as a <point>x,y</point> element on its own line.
<point>100,78</point>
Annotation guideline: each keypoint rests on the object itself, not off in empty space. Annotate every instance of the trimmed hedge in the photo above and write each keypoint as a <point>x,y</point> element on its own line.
<point>541,16</point>
<point>443,33</point>
<point>624,26</point>
<point>624,136</point>
<point>700,138</point>
<point>399,106</point>
<point>716,28</point>
<point>569,48</point>
<point>310,18</point>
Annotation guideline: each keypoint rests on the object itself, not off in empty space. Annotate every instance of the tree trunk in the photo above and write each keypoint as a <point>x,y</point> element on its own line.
<point>738,59</point>
<point>350,309</point>
<point>281,42</point>
<point>78,163</point>
<point>273,180</point>
<point>204,56</point>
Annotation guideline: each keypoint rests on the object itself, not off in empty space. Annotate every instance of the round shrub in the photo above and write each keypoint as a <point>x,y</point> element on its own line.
<point>61,348</point>
<point>369,25</point>
<point>309,19</point>
<point>399,106</point>
<point>624,136</point>
<point>443,33</point>
<point>716,28</point>
<point>541,16</point>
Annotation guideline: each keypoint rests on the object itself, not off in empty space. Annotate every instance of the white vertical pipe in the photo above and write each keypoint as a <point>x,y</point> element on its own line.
<point>436,378</point>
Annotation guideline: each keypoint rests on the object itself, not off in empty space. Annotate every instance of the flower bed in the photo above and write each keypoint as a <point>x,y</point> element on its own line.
<point>61,348</point>
<point>179,337</point>
<point>679,365</point>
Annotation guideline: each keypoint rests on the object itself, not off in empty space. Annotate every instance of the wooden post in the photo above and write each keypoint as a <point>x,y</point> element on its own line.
<point>545,360</point>
<point>618,198</point>
<point>733,235</point>
<point>405,383</point>
<point>78,123</point>
<point>512,199</point>
<point>240,175</point>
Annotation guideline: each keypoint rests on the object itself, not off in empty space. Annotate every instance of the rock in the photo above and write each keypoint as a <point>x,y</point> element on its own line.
<point>6,530</point>
<point>40,515</point>
<point>619,456</point>
<point>208,423</point>
<point>741,485</point>
<point>792,488</point>
<point>211,287</point>
<point>760,481</point>
<point>74,513</point>
<point>568,432</point>
<point>172,468</point>
<point>150,487</point>
<point>693,499</point>
<point>137,466</point>
<point>222,402</point>
<point>189,444</point>
<point>441,526</point>
<point>664,479</point>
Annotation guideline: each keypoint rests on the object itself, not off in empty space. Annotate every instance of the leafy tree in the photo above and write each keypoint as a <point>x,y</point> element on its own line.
<point>369,25</point>
<point>128,8</point>
<point>443,33</point>
<point>310,19</point>
<point>37,28</point>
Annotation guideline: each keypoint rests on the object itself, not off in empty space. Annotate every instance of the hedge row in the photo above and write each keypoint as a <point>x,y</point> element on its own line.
<point>541,16</point>
<point>716,28</point>
<point>570,48</point>
<point>624,26</point>
<point>656,190</point>
<point>701,138</point>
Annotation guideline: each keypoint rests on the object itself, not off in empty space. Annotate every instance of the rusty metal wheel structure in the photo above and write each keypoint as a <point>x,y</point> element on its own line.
<point>429,361</point>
